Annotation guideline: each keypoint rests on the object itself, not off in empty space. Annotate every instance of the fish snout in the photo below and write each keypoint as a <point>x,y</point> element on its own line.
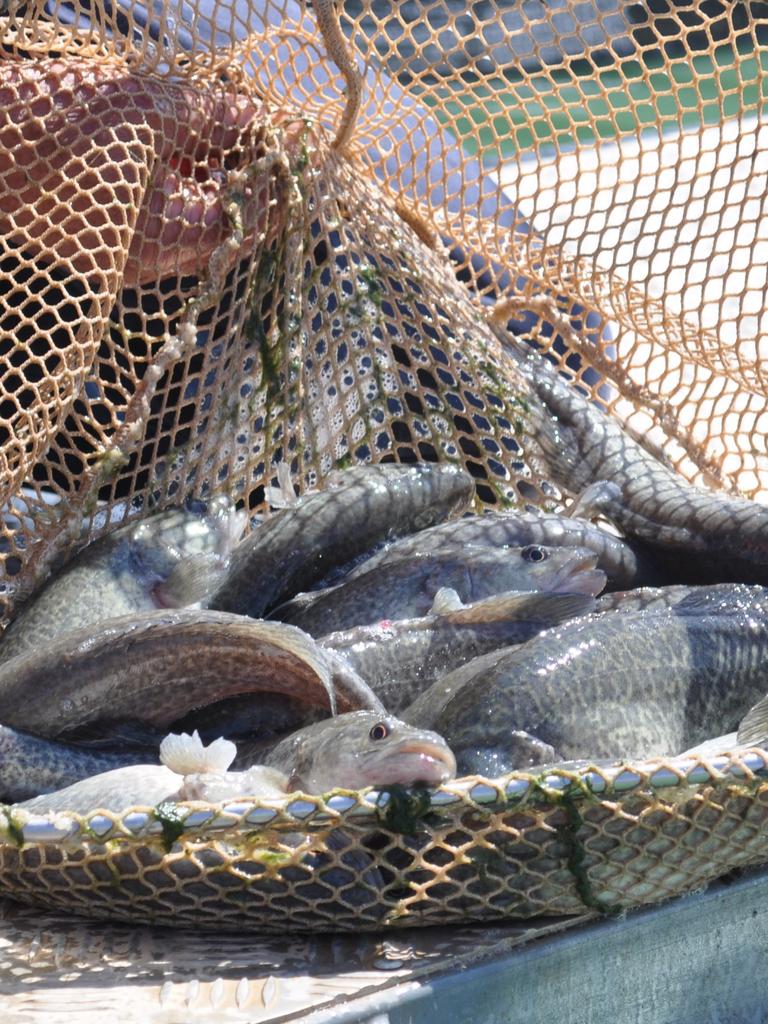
<point>580,575</point>
<point>416,762</point>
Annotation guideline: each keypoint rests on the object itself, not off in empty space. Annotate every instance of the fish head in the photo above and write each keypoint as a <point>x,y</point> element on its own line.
<point>181,555</point>
<point>368,748</point>
<point>558,570</point>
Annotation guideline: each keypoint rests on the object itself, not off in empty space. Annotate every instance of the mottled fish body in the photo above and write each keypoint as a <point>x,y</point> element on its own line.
<point>679,596</point>
<point>350,751</point>
<point>170,559</point>
<point>589,453</point>
<point>300,545</point>
<point>407,588</point>
<point>189,771</point>
<point>400,659</point>
<point>154,668</point>
<point>624,564</point>
<point>630,684</point>
<point>30,765</point>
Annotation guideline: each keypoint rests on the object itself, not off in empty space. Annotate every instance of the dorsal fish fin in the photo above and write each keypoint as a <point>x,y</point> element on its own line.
<point>446,600</point>
<point>753,730</point>
<point>549,608</point>
<point>188,755</point>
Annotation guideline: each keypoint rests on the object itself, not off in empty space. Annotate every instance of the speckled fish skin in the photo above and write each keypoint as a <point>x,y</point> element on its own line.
<point>298,546</point>
<point>30,765</point>
<point>401,659</point>
<point>152,669</point>
<point>646,499</point>
<point>344,752</point>
<point>188,771</point>
<point>624,564</point>
<point>138,785</point>
<point>630,684</point>
<point>407,588</point>
<point>173,558</point>
<point>679,597</point>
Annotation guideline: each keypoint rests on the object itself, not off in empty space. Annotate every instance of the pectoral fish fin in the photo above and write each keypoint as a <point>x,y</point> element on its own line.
<point>188,755</point>
<point>284,495</point>
<point>551,609</point>
<point>753,730</point>
<point>595,500</point>
<point>521,750</point>
<point>446,600</point>
<point>191,581</point>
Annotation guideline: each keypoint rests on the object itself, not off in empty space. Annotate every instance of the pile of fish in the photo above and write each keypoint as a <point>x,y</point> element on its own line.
<point>279,662</point>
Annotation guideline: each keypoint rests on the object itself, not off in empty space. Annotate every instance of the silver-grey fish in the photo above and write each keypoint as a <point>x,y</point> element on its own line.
<point>625,564</point>
<point>189,771</point>
<point>407,588</point>
<point>298,546</point>
<point>707,536</point>
<point>681,597</point>
<point>630,684</point>
<point>168,560</point>
<point>400,659</point>
<point>362,749</point>
<point>30,765</point>
<point>154,668</point>
<point>351,751</point>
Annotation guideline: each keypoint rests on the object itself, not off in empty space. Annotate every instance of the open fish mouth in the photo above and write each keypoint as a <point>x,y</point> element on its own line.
<point>581,576</point>
<point>412,764</point>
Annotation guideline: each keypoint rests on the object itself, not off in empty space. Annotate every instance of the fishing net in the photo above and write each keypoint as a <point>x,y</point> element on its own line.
<point>237,235</point>
<point>596,840</point>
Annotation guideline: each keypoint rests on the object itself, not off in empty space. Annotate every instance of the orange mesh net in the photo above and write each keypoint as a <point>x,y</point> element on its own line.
<point>236,234</point>
<point>232,237</point>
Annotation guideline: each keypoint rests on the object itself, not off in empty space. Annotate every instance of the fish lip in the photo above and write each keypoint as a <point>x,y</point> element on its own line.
<point>582,561</point>
<point>580,575</point>
<point>415,762</point>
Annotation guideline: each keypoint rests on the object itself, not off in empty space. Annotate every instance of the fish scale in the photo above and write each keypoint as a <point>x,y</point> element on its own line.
<point>407,588</point>
<point>153,668</point>
<point>617,685</point>
<point>589,451</point>
<point>401,659</point>
<point>625,565</point>
<point>300,545</point>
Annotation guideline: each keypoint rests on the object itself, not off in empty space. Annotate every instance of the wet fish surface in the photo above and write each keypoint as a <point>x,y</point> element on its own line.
<point>30,765</point>
<point>170,559</point>
<point>625,565</point>
<point>298,546</point>
<point>629,684</point>
<point>401,659</point>
<point>153,668</point>
<point>680,596</point>
<point>350,751</point>
<point>189,771</point>
<point>646,499</point>
<point>362,749</point>
<point>407,588</point>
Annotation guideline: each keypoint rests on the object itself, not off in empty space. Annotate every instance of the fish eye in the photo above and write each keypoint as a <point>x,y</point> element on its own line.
<point>380,731</point>
<point>533,553</point>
